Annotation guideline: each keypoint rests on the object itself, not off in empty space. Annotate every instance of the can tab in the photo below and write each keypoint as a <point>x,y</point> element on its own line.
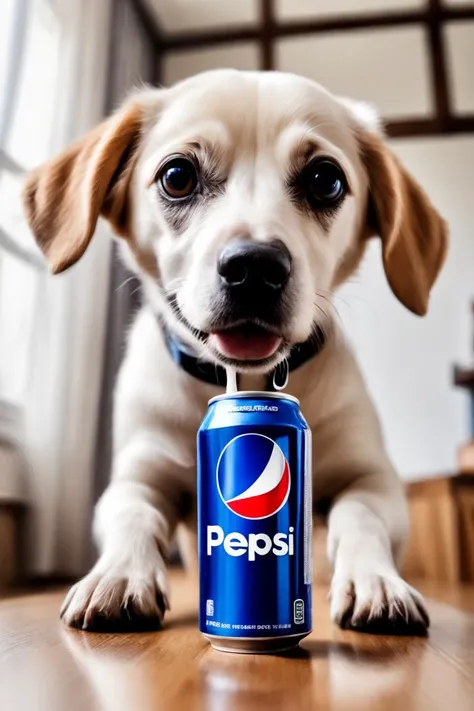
<point>281,375</point>
<point>279,381</point>
<point>232,384</point>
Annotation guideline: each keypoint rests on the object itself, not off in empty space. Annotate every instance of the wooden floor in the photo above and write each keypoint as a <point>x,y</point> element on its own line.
<point>46,667</point>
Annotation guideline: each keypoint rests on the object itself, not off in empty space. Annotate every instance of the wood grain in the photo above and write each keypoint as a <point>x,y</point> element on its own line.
<point>441,543</point>
<point>433,546</point>
<point>8,544</point>
<point>43,666</point>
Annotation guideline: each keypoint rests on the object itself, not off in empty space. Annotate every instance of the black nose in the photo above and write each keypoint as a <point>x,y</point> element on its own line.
<point>255,265</point>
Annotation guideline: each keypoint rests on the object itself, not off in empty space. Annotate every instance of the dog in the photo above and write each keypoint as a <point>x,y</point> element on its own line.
<point>242,200</point>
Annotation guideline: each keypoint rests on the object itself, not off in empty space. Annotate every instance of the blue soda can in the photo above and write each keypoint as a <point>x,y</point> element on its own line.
<point>254,523</point>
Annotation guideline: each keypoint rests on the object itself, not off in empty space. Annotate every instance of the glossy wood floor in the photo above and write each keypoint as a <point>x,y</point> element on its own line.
<point>46,667</point>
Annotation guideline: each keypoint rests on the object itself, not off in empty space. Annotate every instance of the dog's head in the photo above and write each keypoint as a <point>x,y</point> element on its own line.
<point>243,200</point>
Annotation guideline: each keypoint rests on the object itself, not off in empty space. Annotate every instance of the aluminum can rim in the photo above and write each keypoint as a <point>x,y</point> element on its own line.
<point>254,393</point>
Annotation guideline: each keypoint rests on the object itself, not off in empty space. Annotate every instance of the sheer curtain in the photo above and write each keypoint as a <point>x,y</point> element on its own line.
<point>52,88</point>
<point>63,63</point>
<point>66,365</point>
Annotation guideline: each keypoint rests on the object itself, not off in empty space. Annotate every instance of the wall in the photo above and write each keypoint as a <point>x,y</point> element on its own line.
<point>132,63</point>
<point>407,361</point>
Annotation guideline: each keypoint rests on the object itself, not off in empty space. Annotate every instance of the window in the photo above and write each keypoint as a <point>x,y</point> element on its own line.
<point>30,40</point>
<point>54,58</point>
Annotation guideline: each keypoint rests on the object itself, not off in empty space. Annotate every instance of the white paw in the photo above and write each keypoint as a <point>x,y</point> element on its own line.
<point>379,603</point>
<point>119,596</point>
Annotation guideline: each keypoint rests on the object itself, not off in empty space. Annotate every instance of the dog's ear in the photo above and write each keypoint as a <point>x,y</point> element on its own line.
<point>414,236</point>
<point>64,198</point>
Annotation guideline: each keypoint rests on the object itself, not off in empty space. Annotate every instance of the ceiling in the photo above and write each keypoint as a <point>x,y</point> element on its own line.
<point>181,16</point>
<point>176,16</point>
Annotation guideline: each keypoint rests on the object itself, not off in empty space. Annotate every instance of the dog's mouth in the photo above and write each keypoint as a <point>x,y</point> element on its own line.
<point>245,342</point>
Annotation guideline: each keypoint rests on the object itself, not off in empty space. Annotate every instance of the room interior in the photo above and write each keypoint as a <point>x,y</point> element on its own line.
<point>411,59</point>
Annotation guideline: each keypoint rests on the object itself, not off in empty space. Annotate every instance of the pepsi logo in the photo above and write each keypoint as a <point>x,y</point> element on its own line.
<point>253,476</point>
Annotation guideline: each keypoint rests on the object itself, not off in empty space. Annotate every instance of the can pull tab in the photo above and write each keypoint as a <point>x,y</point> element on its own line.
<point>281,375</point>
<point>231,375</point>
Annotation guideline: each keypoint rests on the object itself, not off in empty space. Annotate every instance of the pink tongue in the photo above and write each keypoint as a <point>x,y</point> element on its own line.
<point>246,346</point>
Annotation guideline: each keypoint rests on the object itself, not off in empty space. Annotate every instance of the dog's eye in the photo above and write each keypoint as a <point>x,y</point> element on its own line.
<point>178,178</point>
<point>325,183</point>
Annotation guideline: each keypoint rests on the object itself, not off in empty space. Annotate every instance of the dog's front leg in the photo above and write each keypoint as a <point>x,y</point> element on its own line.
<point>133,522</point>
<point>367,527</point>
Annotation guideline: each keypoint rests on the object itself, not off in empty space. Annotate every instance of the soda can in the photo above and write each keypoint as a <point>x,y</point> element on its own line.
<point>254,523</point>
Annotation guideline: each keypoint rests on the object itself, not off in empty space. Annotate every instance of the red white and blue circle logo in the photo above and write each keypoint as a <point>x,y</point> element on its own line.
<point>253,476</point>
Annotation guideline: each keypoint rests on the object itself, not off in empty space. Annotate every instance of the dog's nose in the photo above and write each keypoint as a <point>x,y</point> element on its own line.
<point>255,265</point>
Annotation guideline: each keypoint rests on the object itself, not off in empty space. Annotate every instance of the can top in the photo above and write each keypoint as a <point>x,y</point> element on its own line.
<point>254,393</point>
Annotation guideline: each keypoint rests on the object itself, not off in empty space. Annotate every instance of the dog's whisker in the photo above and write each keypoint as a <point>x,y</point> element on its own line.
<point>326,316</point>
<point>330,295</point>
<point>321,310</point>
<point>173,301</point>
<point>124,283</point>
<point>332,306</point>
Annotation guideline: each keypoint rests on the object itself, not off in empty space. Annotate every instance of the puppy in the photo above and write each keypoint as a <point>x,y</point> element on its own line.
<point>242,200</point>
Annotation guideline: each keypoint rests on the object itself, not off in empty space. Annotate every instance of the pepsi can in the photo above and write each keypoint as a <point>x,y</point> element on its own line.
<point>254,523</point>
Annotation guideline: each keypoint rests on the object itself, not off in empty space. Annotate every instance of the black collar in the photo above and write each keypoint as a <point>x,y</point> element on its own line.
<point>215,374</point>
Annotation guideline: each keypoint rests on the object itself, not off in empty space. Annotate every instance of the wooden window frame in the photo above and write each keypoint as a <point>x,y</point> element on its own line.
<point>269,29</point>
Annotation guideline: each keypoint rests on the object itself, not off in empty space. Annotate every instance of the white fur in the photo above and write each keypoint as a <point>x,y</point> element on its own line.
<point>253,122</point>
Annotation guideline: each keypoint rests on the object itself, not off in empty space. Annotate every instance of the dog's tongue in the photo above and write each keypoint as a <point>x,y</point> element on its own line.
<point>247,343</point>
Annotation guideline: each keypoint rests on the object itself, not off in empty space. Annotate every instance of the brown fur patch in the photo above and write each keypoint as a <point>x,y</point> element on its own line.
<point>414,236</point>
<point>64,198</point>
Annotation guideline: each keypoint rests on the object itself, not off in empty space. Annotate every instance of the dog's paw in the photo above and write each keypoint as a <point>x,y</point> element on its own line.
<point>110,599</point>
<point>378,604</point>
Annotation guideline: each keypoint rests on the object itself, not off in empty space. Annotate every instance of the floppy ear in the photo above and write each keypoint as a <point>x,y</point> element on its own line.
<point>64,198</point>
<point>414,236</point>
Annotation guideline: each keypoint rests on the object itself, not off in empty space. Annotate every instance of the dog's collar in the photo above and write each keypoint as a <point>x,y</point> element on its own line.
<point>216,375</point>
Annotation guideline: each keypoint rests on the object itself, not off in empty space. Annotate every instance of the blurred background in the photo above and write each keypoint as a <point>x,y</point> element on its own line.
<point>63,65</point>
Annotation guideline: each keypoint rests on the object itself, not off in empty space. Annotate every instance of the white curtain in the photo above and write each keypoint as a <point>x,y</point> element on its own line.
<point>55,85</point>
<point>68,328</point>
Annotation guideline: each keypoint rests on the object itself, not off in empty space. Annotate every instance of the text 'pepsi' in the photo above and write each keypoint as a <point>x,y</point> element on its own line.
<point>254,522</point>
<point>257,543</point>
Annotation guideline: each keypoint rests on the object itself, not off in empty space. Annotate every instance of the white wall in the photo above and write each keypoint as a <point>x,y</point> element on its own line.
<point>388,67</point>
<point>176,65</point>
<point>407,361</point>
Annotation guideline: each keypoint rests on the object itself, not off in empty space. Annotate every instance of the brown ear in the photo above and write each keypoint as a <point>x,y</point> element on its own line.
<point>414,236</point>
<point>64,198</point>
